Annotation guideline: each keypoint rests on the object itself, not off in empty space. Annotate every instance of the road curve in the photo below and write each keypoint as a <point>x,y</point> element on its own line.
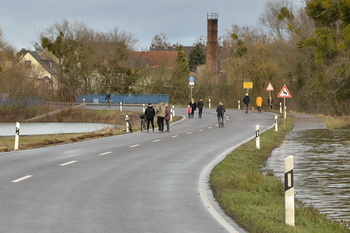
<point>133,183</point>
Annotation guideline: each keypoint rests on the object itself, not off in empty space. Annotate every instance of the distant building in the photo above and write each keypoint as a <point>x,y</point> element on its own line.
<point>43,70</point>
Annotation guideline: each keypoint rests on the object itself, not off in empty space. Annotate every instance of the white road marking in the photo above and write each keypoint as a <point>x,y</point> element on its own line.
<point>175,136</point>
<point>21,179</point>
<point>106,153</point>
<point>134,146</point>
<point>158,140</point>
<point>70,162</point>
<point>200,130</point>
<point>188,132</point>
<point>209,127</point>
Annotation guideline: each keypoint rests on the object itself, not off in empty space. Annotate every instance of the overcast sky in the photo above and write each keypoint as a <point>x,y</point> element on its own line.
<point>183,21</point>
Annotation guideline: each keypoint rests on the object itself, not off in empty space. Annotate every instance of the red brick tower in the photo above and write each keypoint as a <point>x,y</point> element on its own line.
<point>212,43</point>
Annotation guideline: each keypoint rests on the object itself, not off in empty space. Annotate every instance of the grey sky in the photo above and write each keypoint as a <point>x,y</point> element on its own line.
<point>183,21</point>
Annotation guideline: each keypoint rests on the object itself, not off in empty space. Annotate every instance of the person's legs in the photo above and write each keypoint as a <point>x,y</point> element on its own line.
<point>167,125</point>
<point>152,123</point>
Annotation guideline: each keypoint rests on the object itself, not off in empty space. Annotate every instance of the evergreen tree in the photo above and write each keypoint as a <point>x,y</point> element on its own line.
<point>197,57</point>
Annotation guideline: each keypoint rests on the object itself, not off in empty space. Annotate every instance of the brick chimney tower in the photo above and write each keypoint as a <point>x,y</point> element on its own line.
<point>212,43</point>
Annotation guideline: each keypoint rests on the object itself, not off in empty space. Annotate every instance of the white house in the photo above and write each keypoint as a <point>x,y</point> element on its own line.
<point>41,69</point>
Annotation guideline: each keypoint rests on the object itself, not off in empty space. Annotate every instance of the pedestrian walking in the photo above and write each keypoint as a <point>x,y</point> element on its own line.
<point>193,107</point>
<point>259,102</point>
<point>270,102</point>
<point>200,106</point>
<point>246,101</point>
<point>149,114</point>
<point>189,111</point>
<point>160,110</point>
<point>167,116</point>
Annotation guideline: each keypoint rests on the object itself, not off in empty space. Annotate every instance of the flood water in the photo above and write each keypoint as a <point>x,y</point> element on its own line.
<point>30,128</point>
<point>321,169</point>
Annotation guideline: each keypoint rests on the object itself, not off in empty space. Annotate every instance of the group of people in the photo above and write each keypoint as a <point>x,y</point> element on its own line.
<point>192,107</point>
<point>258,102</point>
<point>163,113</point>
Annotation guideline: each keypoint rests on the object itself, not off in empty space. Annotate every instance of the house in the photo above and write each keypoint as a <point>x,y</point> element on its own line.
<point>42,69</point>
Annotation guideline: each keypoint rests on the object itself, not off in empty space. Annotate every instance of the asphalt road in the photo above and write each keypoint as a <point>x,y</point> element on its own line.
<point>133,183</point>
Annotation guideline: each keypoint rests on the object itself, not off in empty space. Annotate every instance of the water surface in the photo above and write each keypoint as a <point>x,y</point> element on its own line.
<point>321,169</point>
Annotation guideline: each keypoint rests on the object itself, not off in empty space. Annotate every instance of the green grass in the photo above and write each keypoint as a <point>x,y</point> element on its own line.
<point>256,200</point>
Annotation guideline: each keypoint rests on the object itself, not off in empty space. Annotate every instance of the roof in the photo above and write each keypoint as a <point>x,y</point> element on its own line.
<point>154,58</point>
<point>47,63</point>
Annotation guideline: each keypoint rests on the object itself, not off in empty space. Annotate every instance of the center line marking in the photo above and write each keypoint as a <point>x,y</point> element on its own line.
<point>209,127</point>
<point>134,146</point>
<point>200,130</point>
<point>106,153</point>
<point>22,178</point>
<point>188,132</point>
<point>158,140</point>
<point>70,162</point>
<point>175,136</point>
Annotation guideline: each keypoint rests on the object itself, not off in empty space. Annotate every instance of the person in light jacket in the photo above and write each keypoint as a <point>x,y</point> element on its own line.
<point>160,116</point>
<point>259,102</point>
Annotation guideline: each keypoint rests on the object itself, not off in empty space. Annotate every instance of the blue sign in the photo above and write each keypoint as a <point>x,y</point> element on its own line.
<point>191,79</point>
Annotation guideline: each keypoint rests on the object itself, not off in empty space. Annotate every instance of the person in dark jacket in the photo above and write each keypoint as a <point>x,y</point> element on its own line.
<point>193,106</point>
<point>200,106</point>
<point>167,116</point>
<point>149,114</point>
<point>246,101</point>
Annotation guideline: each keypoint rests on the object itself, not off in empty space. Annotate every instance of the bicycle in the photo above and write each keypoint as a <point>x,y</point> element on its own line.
<point>108,102</point>
<point>221,121</point>
<point>143,122</point>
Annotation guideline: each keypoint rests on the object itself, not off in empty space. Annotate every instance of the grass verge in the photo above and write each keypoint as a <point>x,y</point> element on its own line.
<point>256,200</point>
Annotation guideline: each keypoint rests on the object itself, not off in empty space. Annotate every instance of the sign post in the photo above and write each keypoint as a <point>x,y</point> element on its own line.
<point>191,83</point>
<point>248,85</point>
<point>269,89</point>
<point>284,93</point>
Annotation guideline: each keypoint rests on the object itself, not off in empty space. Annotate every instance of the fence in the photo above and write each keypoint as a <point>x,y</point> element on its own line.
<point>125,99</point>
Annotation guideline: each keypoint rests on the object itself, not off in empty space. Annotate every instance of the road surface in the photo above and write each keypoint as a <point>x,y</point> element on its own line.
<point>133,183</point>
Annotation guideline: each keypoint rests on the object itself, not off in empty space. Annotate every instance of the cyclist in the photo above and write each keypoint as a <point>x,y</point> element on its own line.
<point>108,99</point>
<point>220,110</point>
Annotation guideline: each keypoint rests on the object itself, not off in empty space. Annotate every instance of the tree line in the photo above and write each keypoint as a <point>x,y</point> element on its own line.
<point>306,48</point>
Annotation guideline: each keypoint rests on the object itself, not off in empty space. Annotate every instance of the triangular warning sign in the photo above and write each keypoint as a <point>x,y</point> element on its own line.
<point>284,93</point>
<point>269,87</point>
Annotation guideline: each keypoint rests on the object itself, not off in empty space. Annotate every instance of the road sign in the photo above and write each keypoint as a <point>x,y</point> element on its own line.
<point>269,87</point>
<point>191,81</point>
<point>248,85</point>
<point>284,93</point>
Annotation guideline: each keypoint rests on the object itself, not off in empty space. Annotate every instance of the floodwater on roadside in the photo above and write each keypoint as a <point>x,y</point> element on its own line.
<point>321,169</point>
<point>37,128</point>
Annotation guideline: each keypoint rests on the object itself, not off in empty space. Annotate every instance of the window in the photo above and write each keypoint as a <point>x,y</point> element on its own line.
<point>27,64</point>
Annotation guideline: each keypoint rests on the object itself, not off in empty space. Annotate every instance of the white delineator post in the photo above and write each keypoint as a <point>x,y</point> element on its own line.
<point>257,136</point>
<point>143,108</point>
<point>121,106</point>
<point>209,103</point>
<point>127,123</point>
<point>17,136</point>
<point>289,190</point>
<point>239,104</point>
<point>276,123</point>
